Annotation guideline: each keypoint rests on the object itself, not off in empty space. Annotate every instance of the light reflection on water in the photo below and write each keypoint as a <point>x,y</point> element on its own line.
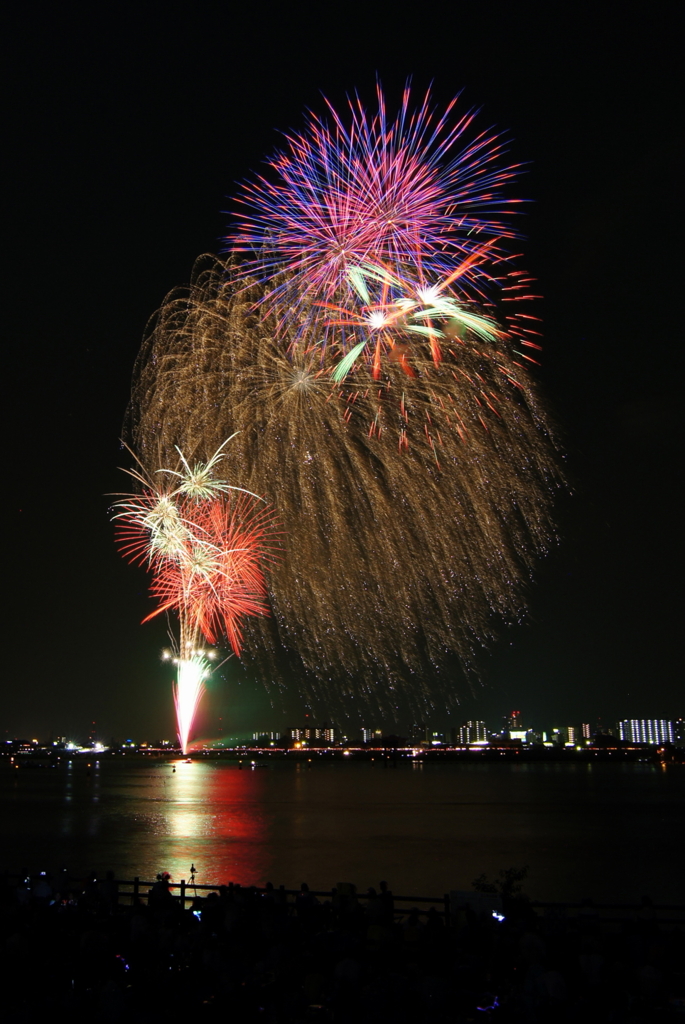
<point>584,830</point>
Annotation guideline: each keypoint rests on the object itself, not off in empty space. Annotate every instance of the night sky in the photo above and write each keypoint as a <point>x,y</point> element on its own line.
<point>128,127</point>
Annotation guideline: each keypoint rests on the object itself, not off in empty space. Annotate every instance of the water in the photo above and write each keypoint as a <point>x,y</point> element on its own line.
<point>608,831</point>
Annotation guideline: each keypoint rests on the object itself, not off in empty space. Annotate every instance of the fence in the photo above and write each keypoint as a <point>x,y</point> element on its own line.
<point>187,891</point>
<point>447,905</point>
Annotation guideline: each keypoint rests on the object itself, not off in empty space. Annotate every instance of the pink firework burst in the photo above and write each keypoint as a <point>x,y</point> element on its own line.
<point>419,192</point>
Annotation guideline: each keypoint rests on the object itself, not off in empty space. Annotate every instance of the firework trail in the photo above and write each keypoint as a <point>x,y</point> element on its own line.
<point>371,350</point>
<point>192,668</point>
<point>204,542</point>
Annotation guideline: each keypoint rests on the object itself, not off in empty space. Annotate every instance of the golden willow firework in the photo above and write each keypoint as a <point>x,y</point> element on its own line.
<point>414,492</point>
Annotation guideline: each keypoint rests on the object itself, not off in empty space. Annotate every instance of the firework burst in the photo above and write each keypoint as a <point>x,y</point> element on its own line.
<point>369,347</point>
<point>414,506</point>
<point>205,542</point>
<point>421,190</point>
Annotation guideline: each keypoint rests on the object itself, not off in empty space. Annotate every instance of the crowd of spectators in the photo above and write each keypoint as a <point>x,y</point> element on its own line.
<point>75,949</point>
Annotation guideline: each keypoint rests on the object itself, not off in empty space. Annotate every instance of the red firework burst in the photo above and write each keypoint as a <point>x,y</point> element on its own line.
<point>206,558</point>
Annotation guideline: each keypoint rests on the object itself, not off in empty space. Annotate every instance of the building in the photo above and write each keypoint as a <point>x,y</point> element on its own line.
<point>565,737</point>
<point>419,733</point>
<point>646,730</point>
<point>473,732</point>
<point>523,735</point>
<point>513,721</point>
<point>266,737</point>
<point>372,735</point>
<point>311,735</point>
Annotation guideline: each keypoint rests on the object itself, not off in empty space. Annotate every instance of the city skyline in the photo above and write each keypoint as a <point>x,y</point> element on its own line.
<point>468,733</point>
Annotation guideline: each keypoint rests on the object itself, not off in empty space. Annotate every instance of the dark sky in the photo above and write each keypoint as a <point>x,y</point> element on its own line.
<point>128,127</point>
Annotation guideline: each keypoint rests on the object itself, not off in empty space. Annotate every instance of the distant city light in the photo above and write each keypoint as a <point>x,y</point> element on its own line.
<point>419,739</point>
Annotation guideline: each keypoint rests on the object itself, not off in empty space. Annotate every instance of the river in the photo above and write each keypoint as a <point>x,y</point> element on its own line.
<point>607,831</point>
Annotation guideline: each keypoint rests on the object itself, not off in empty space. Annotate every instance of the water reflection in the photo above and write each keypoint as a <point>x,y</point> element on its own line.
<point>185,817</point>
<point>425,830</point>
<point>214,818</point>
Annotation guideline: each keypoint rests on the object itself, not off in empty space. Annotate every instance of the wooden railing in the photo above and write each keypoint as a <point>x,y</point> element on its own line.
<point>137,889</point>
<point>609,913</point>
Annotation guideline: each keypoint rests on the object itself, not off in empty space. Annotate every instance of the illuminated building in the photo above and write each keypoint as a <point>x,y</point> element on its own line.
<point>371,735</point>
<point>565,737</point>
<point>473,732</point>
<point>325,735</point>
<point>646,730</point>
<point>514,721</point>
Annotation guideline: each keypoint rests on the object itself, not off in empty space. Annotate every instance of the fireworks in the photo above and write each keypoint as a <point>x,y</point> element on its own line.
<point>193,667</point>
<point>403,308</point>
<point>204,541</point>
<point>413,506</point>
<point>364,358</point>
<point>420,191</point>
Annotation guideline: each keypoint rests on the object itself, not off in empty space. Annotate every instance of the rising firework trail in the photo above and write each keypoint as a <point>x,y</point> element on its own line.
<point>193,667</point>
<point>370,344</point>
<point>192,672</point>
<point>204,542</point>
